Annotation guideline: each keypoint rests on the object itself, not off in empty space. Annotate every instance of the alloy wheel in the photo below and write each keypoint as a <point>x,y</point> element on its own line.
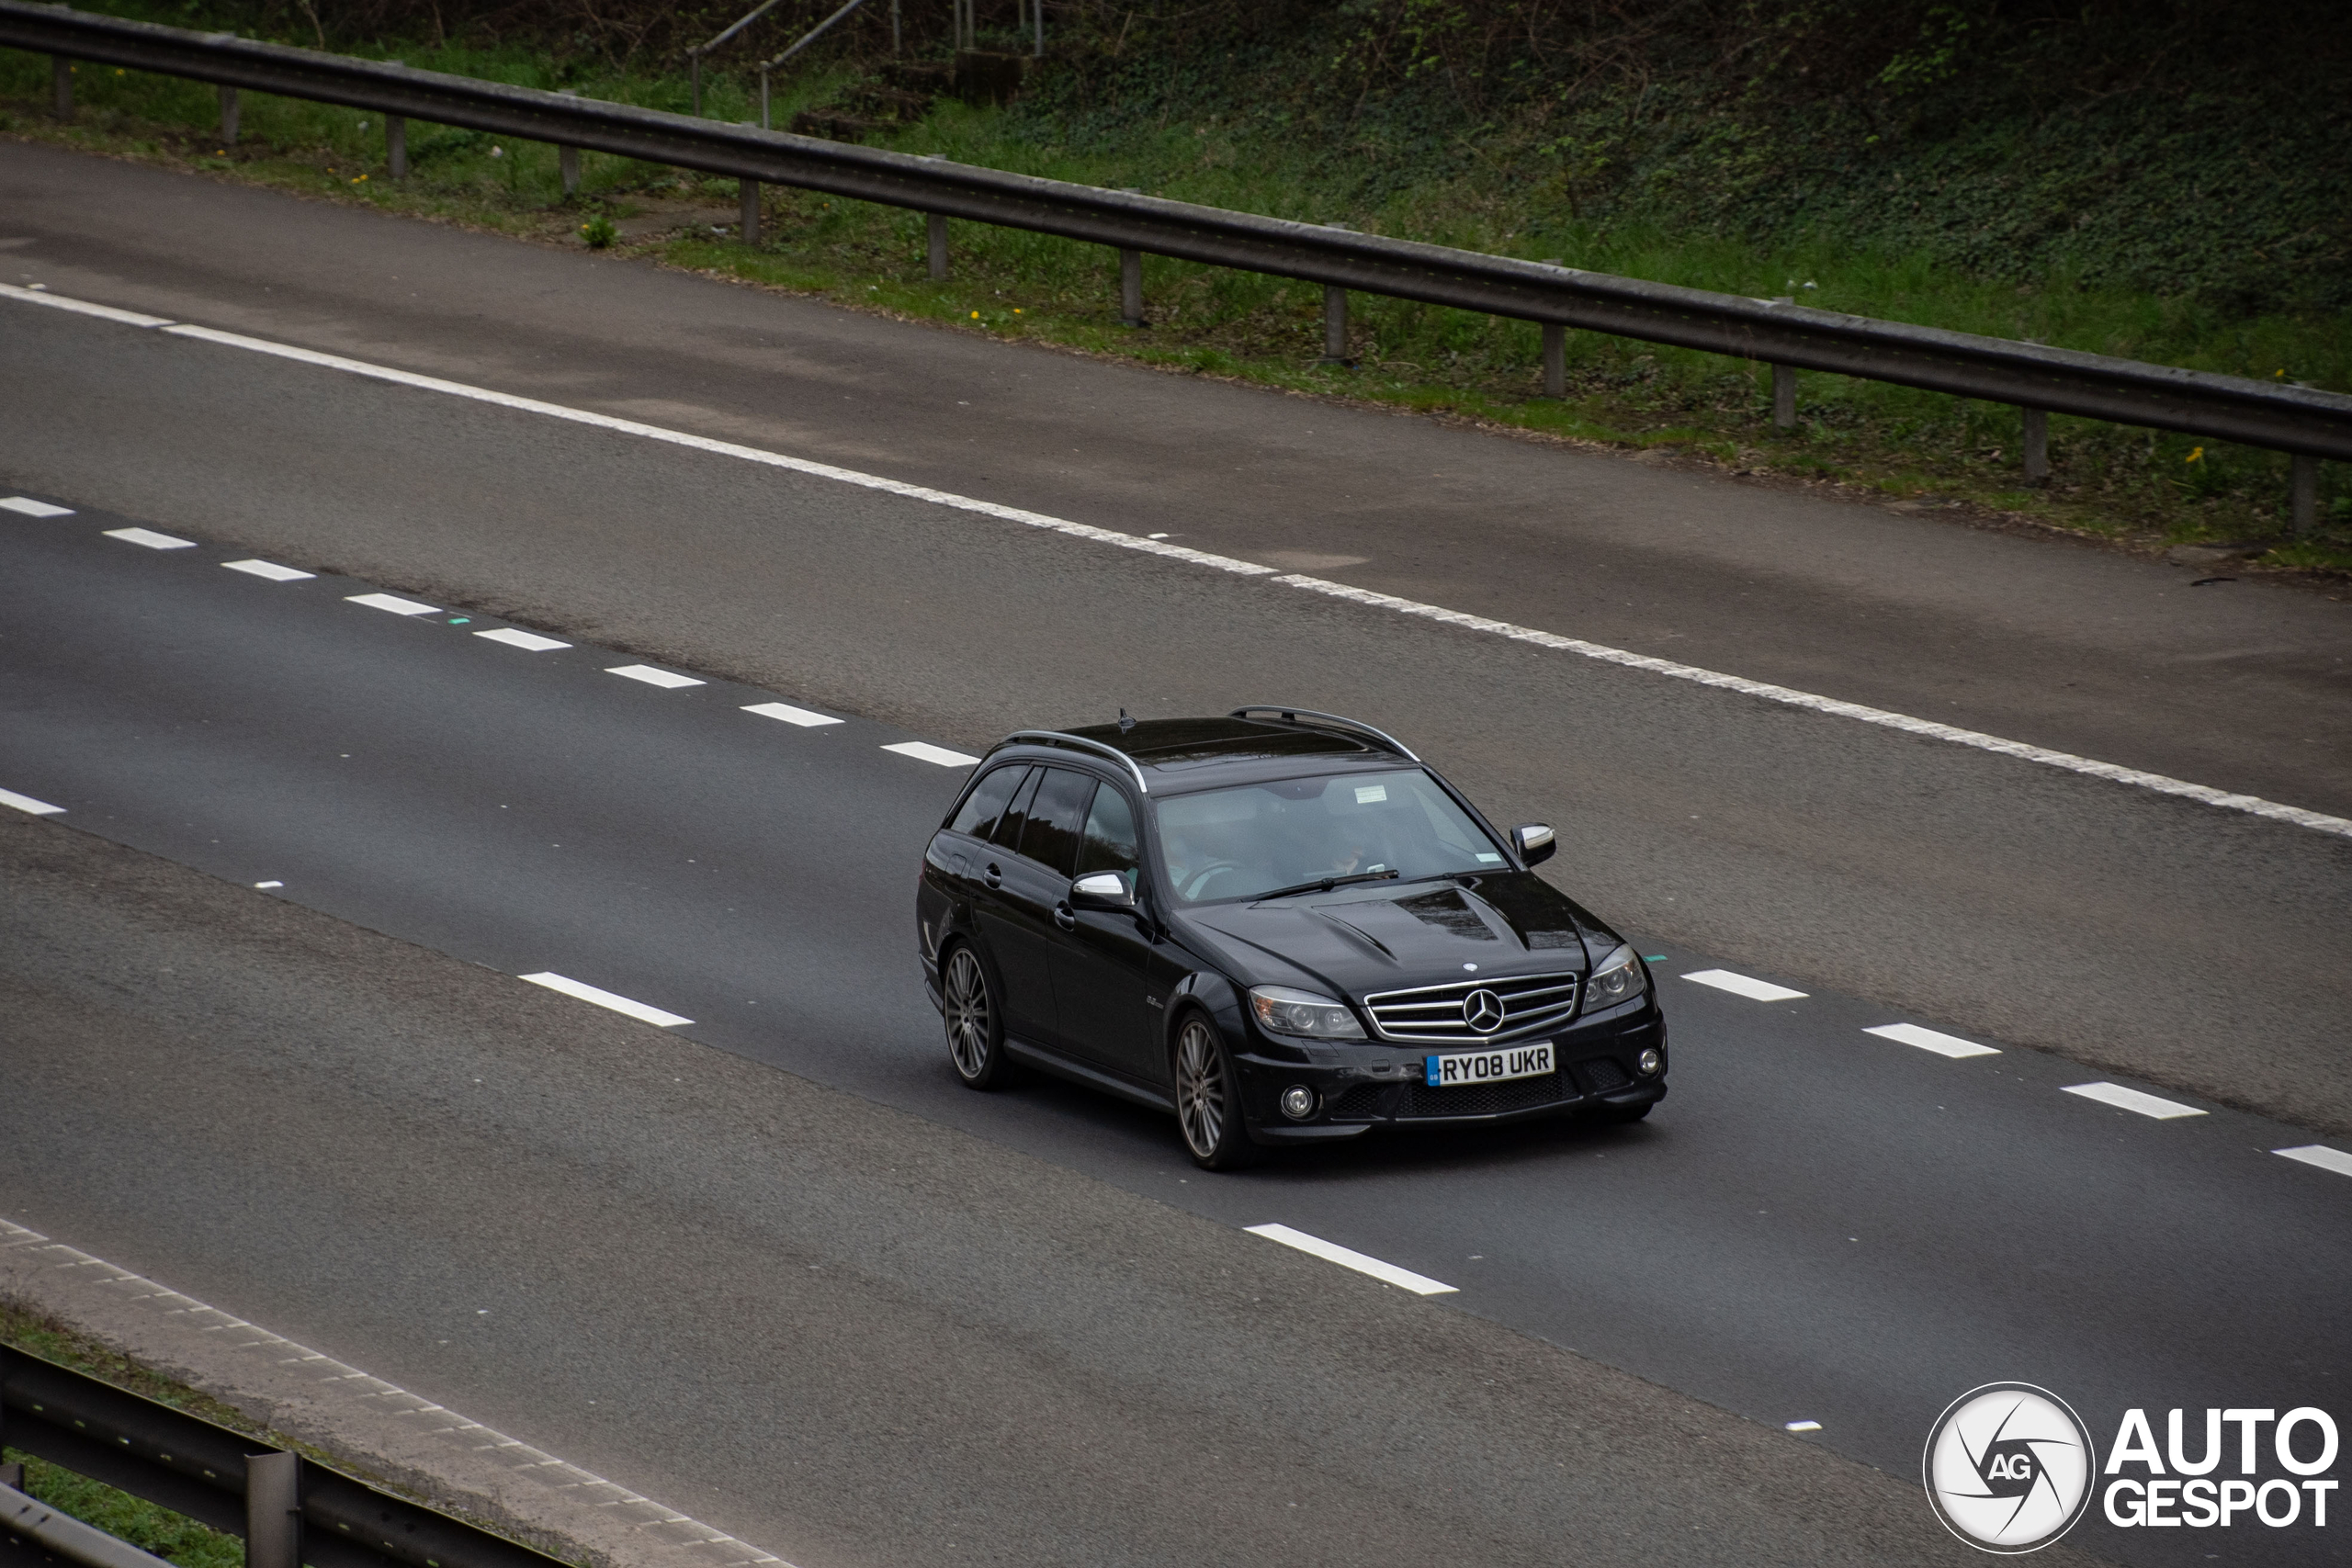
<point>969,1036</point>
<point>1199,1088</point>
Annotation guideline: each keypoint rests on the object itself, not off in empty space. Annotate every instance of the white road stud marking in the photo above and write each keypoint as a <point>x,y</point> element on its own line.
<point>639,1010</point>
<point>790,715</point>
<point>924,752</point>
<point>268,569</point>
<point>148,538</point>
<point>1741,986</point>
<point>667,679</point>
<point>1332,1252</point>
<point>2124,1099</point>
<point>32,508</point>
<point>529,641</point>
<point>2321,1155</point>
<point>1800,1425</point>
<point>398,606</point>
<point>1929,1040</point>
<point>2136,778</point>
<point>26,803</point>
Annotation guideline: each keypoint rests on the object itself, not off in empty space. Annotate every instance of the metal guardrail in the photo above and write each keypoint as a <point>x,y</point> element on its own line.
<point>2039,379</point>
<point>33,1531</point>
<point>291,1509</point>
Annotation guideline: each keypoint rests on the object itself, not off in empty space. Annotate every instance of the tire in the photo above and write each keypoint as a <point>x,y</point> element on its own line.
<point>1208,1097</point>
<point>975,1023</point>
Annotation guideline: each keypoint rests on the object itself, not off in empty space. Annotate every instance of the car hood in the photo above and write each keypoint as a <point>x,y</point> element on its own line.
<point>1362,940</point>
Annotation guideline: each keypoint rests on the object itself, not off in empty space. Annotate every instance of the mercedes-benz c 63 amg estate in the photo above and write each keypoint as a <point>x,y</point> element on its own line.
<point>1281,925</point>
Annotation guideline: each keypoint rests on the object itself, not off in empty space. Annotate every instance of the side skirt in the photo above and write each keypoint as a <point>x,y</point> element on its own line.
<point>1061,1066</point>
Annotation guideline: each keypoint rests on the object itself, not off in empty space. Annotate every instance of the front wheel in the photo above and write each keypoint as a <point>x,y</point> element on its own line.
<point>975,1033</point>
<point>1208,1098</point>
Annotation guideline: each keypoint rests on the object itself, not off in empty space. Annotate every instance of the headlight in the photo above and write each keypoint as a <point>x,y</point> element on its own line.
<point>1621,978</point>
<point>1285,1012</point>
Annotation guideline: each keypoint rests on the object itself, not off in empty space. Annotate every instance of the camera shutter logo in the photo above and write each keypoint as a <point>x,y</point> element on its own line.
<point>1483,1012</point>
<point>2009,1467</point>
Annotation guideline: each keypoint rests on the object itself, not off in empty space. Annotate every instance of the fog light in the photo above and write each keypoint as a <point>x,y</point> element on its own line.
<point>1651,1062</point>
<point>1298,1102</point>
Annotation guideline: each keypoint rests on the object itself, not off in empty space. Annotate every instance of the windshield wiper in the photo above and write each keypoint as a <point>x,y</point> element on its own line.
<point>1325,885</point>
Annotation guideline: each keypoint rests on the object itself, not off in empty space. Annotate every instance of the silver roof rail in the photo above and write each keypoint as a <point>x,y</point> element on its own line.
<point>1056,738</point>
<point>1388,741</point>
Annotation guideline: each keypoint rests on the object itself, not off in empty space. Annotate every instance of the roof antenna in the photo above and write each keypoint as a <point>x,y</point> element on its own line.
<point>1126,723</point>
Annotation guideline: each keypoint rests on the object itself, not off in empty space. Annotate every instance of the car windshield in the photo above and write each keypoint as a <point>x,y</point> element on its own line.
<point>1224,844</point>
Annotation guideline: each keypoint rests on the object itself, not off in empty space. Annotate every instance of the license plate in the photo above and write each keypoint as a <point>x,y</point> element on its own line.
<point>1488,1066</point>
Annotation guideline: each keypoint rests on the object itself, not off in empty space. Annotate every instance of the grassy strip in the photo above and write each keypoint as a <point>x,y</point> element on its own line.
<point>2132,487</point>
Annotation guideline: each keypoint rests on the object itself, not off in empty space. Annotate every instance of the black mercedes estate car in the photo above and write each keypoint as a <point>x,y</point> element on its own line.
<point>1281,925</point>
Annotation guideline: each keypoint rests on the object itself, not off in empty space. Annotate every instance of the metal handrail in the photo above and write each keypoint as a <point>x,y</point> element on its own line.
<point>1056,738</point>
<point>1388,741</point>
<point>2301,420</point>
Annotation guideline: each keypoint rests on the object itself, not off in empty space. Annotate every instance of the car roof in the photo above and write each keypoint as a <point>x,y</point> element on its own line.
<point>1180,755</point>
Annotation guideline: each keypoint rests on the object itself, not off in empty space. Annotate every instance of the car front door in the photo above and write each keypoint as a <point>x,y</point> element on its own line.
<point>1100,966</point>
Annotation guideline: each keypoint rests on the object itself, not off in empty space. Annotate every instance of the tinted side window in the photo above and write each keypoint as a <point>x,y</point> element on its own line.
<point>1057,818</point>
<point>986,802</point>
<point>1110,842</point>
<point>1008,828</point>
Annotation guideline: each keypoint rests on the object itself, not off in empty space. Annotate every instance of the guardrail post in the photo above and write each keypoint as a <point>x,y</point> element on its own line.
<point>2037,446</point>
<point>396,147</point>
<point>937,226</point>
<point>1335,325</point>
<point>228,117</point>
<point>749,190</point>
<point>1131,288</point>
<point>893,29</point>
<point>1784,396</point>
<point>274,1511</point>
<point>61,84</point>
<point>567,159</point>
<point>2303,494</point>
<point>1555,359</point>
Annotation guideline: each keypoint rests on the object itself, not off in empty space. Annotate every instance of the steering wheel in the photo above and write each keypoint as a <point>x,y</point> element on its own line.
<point>1191,889</point>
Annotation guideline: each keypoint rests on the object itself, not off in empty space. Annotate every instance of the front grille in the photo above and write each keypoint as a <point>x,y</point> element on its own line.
<point>1602,1074</point>
<point>1486,1099</point>
<point>1434,1014</point>
<point>1358,1104</point>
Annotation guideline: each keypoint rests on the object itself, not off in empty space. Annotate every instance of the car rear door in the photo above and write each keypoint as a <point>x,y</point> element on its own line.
<point>1100,962</point>
<point>1020,892</point>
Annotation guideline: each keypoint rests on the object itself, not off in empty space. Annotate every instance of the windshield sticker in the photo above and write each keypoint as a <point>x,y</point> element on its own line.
<point>1485,859</point>
<point>1367,795</point>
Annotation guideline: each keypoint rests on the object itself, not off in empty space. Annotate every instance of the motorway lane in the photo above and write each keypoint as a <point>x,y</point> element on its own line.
<point>1819,1224</point>
<point>2242,686</point>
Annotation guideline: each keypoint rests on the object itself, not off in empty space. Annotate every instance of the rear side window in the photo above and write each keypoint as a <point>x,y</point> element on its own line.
<point>1110,842</point>
<point>1016,815</point>
<point>986,802</point>
<point>1058,819</point>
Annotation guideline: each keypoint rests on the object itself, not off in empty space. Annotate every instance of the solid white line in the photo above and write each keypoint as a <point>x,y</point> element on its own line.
<point>1741,986</point>
<point>639,1010</point>
<point>667,679</point>
<point>924,752</point>
<point>268,569</point>
<point>26,803</point>
<point>2321,1155</point>
<point>81,307</point>
<point>32,508</point>
<point>790,715</point>
<point>396,605</point>
<point>2124,1099</point>
<point>148,538</point>
<point>2253,806</point>
<point>530,641</point>
<point>1929,1040</point>
<point>1331,1252</point>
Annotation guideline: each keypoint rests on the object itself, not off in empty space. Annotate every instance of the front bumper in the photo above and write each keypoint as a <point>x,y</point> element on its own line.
<point>1359,1088</point>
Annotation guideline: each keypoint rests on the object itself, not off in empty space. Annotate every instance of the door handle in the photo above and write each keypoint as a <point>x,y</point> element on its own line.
<point>993,875</point>
<point>1065,917</point>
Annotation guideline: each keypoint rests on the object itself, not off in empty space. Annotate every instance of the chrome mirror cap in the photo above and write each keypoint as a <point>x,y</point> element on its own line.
<point>1535,841</point>
<point>1102,887</point>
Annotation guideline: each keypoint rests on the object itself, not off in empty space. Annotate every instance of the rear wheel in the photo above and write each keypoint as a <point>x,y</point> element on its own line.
<point>975,1034</point>
<point>1208,1098</point>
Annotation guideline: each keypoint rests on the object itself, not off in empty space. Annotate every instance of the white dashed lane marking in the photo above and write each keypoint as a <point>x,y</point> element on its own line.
<point>2124,1099</point>
<point>268,569</point>
<point>790,715</point>
<point>1741,986</point>
<point>32,508</point>
<point>26,803</point>
<point>148,538</point>
<point>2321,1155</point>
<point>1332,1252</point>
<point>393,603</point>
<point>1929,1040</point>
<point>652,677</point>
<point>587,993</point>
<point>531,642</point>
<point>1800,1425</point>
<point>924,752</point>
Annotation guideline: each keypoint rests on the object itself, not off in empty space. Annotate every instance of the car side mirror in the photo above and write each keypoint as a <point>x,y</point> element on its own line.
<point>1535,842</point>
<point>1100,890</point>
